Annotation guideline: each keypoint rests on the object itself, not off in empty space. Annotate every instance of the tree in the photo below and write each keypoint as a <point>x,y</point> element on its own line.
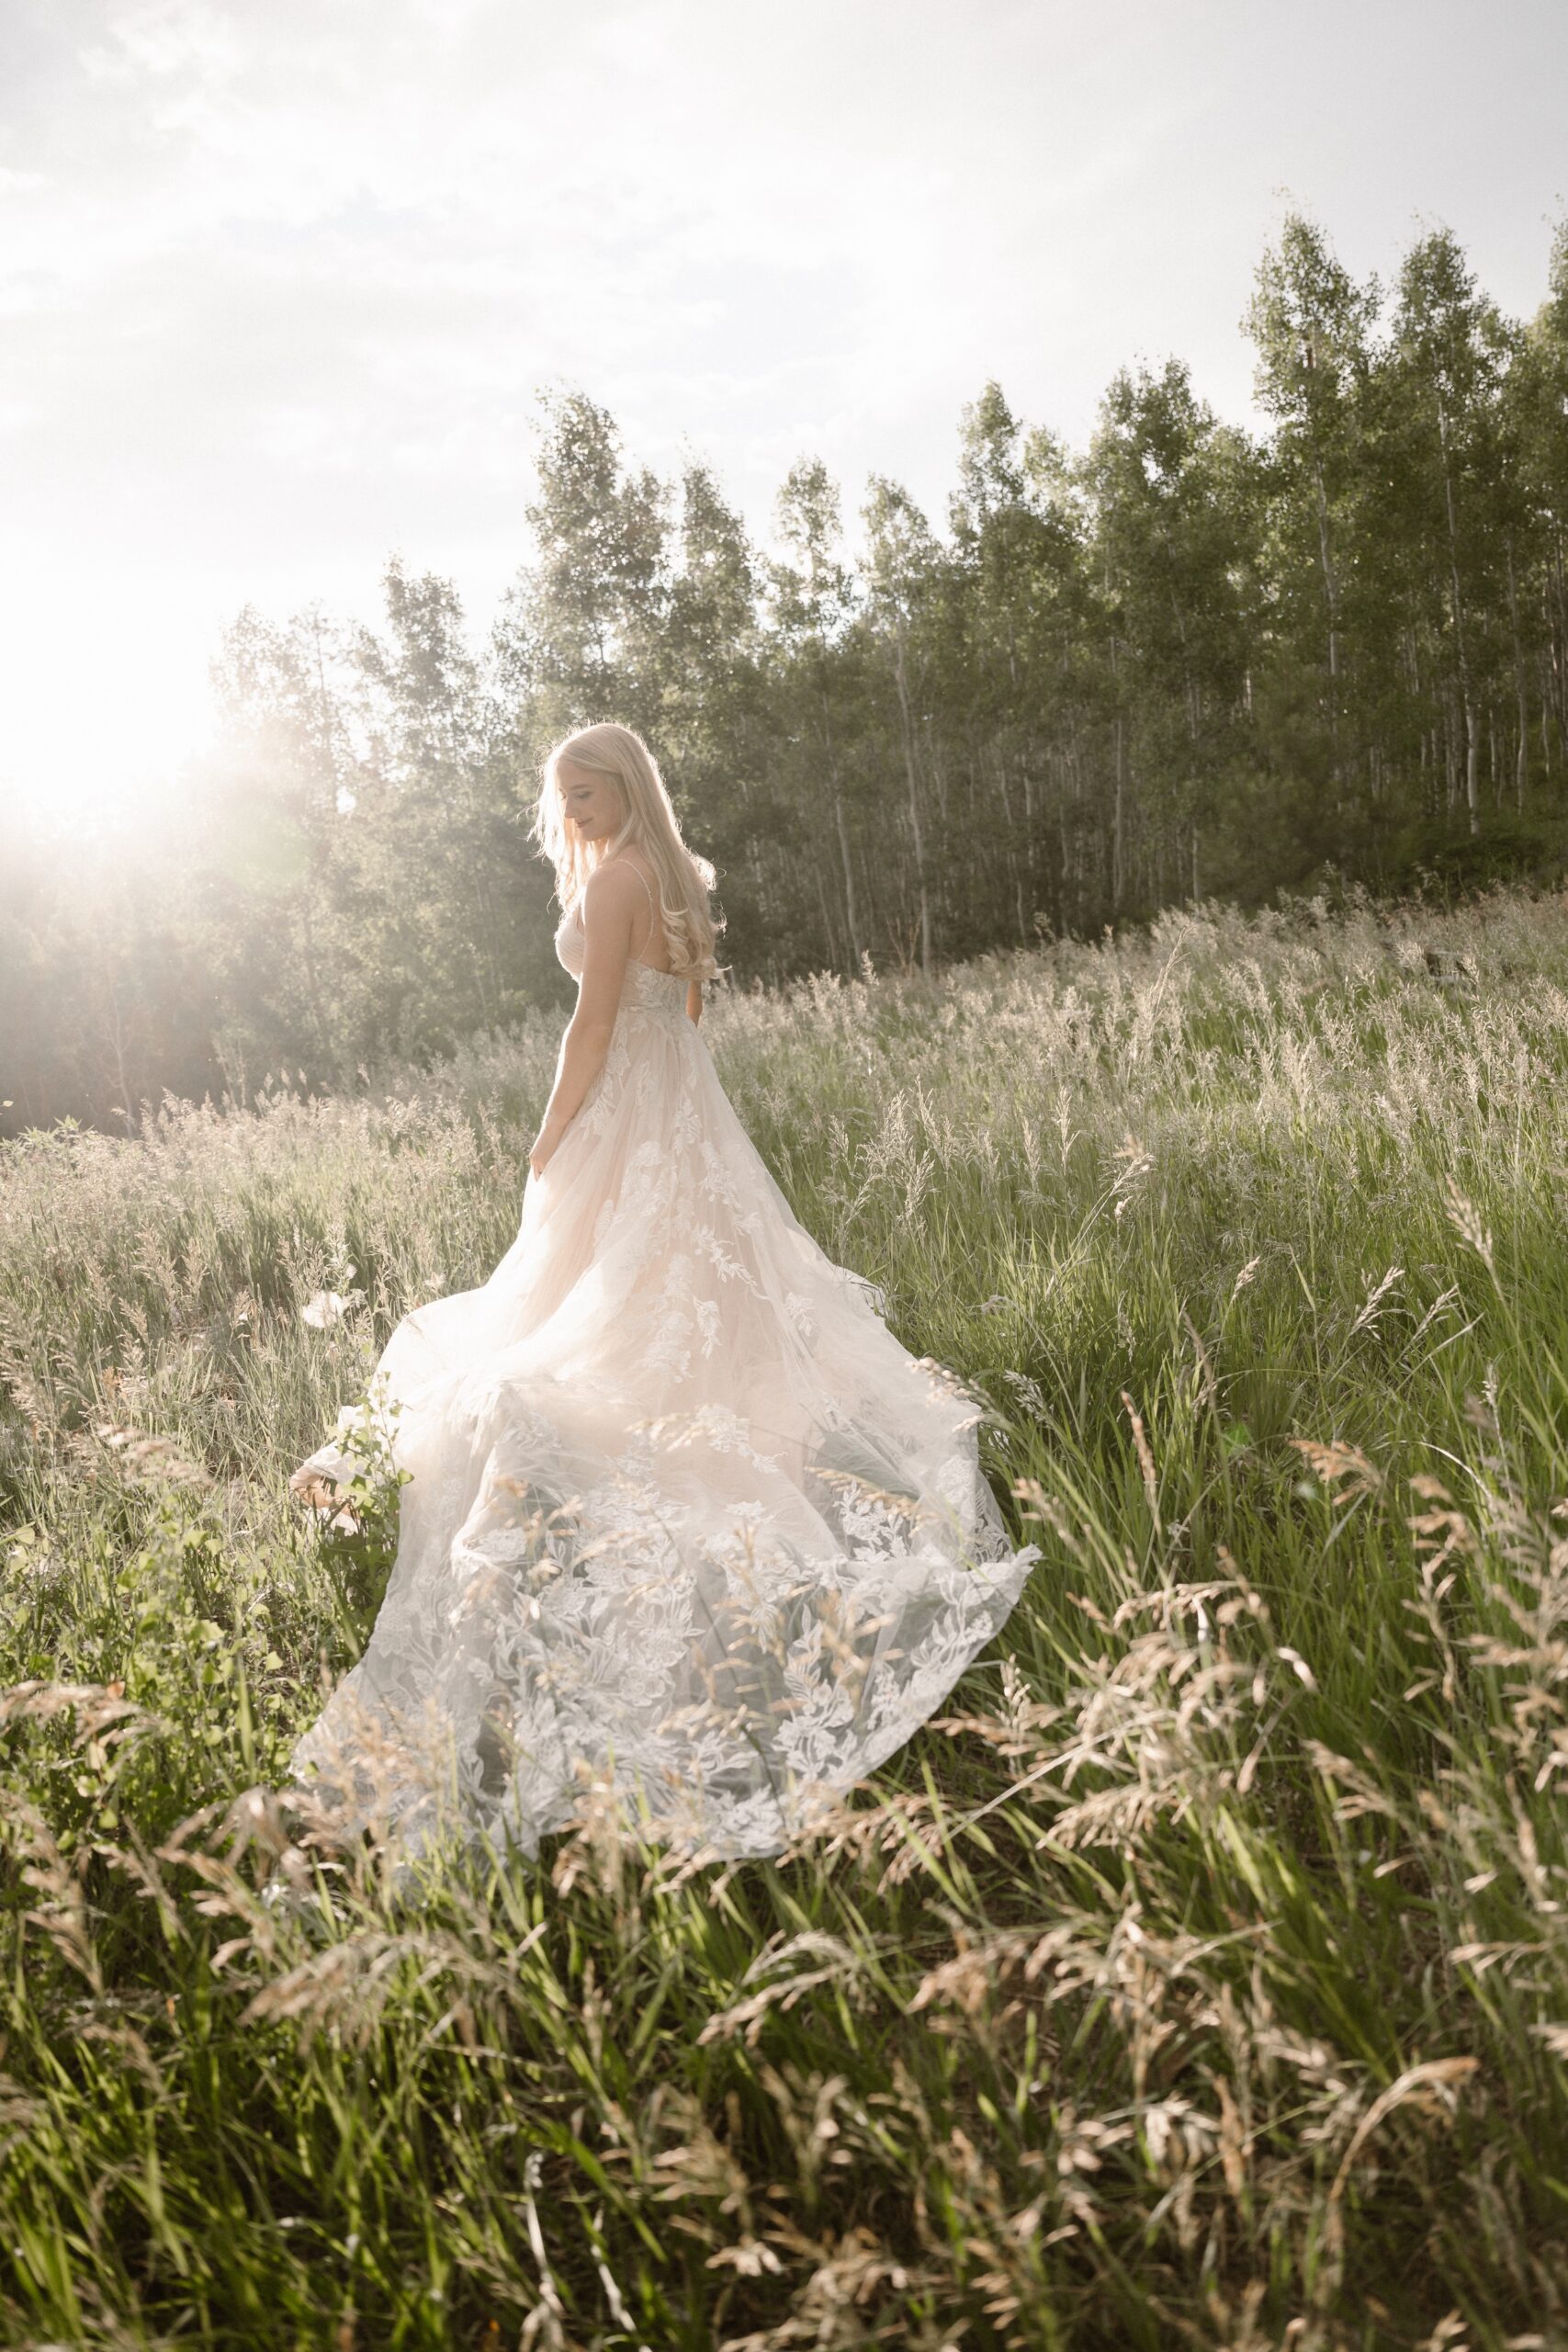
<point>584,617</point>
<point>901,563</point>
<point>1446,367</point>
<point>1175,501</point>
<point>811,594</point>
<point>1312,325</point>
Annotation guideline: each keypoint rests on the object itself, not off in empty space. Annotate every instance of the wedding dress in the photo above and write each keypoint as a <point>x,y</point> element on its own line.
<point>686,1532</point>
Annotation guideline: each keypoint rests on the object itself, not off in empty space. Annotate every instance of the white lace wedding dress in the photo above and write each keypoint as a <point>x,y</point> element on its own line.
<point>687,1532</point>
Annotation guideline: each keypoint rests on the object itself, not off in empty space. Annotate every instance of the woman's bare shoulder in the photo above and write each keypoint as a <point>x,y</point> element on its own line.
<point>615,886</point>
<point>641,866</point>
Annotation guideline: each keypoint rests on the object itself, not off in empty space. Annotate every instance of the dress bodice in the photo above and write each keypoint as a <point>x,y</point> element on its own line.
<point>661,994</point>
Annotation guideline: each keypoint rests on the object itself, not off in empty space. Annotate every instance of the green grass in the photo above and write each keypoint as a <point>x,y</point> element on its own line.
<point>1201,1979</point>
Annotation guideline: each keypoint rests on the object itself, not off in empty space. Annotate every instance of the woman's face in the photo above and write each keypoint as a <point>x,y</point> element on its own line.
<point>591,803</point>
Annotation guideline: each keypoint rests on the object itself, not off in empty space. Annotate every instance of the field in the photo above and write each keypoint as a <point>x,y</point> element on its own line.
<point>1200,1979</point>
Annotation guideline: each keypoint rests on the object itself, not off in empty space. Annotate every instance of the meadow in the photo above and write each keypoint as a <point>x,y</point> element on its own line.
<point>1200,1978</point>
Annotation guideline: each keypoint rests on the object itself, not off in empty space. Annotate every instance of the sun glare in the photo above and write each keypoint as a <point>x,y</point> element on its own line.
<point>74,759</point>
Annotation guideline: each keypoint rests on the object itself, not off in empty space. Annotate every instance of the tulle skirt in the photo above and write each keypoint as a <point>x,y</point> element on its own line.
<point>687,1534</point>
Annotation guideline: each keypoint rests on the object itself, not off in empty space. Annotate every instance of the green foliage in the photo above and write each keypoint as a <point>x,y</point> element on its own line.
<point>1200,1979</point>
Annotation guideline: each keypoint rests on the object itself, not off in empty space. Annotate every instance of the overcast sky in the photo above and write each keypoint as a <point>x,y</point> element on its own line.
<point>280,279</point>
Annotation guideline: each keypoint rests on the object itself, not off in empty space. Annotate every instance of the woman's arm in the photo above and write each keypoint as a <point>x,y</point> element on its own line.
<point>694,999</point>
<point>610,902</point>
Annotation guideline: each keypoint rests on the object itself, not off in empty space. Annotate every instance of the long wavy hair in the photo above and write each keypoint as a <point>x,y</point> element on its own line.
<point>649,824</point>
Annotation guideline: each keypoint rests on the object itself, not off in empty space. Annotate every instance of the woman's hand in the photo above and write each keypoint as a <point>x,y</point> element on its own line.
<point>541,1152</point>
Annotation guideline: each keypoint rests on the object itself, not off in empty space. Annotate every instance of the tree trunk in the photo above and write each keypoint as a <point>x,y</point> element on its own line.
<point>916,831</point>
<point>1117,865</point>
<point>1472,739</point>
<point>832,944</point>
<point>125,1106</point>
<point>851,911</point>
<point>1521,765</point>
<point>1331,594</point>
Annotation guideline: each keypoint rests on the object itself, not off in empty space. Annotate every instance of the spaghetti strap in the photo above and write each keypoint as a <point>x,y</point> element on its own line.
<point>653,906</point>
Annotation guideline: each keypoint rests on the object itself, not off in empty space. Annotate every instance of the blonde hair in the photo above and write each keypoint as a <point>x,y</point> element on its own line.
<point>682,879</point>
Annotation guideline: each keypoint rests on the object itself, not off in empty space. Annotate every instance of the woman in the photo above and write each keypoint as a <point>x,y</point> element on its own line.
<point>686,1532</point>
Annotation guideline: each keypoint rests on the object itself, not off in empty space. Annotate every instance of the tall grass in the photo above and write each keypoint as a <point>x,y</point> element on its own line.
<point>1201,1978</point>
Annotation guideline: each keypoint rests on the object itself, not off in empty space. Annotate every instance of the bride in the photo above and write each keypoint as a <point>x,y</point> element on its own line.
<point>685,1533</point>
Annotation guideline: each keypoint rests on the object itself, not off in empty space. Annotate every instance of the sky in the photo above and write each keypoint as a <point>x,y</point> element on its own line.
<point>281,283</point>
